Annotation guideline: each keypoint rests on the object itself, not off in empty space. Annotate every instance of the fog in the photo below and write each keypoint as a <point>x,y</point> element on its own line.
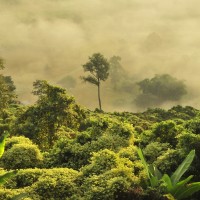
<point>52,39</point>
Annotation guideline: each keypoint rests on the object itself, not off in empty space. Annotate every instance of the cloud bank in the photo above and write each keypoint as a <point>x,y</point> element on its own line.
<point>52,39</point>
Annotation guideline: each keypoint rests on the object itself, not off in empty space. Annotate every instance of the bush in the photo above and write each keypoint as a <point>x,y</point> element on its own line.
<point>193,126</point>
<point>166,132</point>
<point>75,153</point>
<point>108,176</point>
<point>57,184</point>
<point>107,186</point>
<point>154,150</point>
<point>122,129</point>
<point>67,153</point>
<point>100,162</point>
<point>169,161</point>
<point>188,141</point>
<point>21,156</point>
<point>17,140</point>
<point>24,178</point>
<point>129,152</point>
<point>8,194</point>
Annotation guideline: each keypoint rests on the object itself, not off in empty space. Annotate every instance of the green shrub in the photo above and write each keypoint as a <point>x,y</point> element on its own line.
<point>83,137</point>
<point>139,129</point>
<point>154,150</point>
<point>129,152</point>
<point>108,176</point>
<point>166,132</point>
<point>24,178</point>
<point>188,141</point>
<point>171,186</point>
<point>106,186</point>
<point>169,160</point>
<point>17,140</point>
<point>21,156</point>
<point>108,141</point>
<point>193,126</point>
<point>65,132</point>
<point>57,184</point>
<point>8,194</point>
<point>67,153</point>
<point>75,153</point>
<point>124,130</point>
<point>100,162</point>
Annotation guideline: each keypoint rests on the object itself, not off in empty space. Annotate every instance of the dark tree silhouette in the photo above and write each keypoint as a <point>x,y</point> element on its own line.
<point>98,67</point>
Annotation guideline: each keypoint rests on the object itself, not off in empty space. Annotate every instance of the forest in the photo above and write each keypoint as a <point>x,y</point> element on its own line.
<point>56,149</point>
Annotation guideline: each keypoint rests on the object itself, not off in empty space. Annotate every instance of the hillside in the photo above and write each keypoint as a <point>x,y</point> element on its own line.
<point>64,151</point>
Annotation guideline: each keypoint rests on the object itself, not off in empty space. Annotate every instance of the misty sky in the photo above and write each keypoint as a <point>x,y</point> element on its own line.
<point>52,39</point>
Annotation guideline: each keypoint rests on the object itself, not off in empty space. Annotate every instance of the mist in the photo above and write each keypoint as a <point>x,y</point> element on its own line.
<point>52,39</point>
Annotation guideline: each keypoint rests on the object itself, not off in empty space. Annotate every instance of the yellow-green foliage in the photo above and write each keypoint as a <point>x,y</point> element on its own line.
<point>21,156</point>
<point>101,161</point>
<point>155,149</point>
<point>107,186</point>
<point>166,131</point>
<point>101,131</point>
<point>188,141</point>
<point>8,194</point>
<point>169,160</point>
<point>129,152</point>
<point>108,176</point>
<point>17,140</point>
<point>57,183</point>
<point>24,178</point>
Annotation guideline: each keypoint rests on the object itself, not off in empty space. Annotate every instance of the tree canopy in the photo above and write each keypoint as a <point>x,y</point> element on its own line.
<point>53,109</point>
<point>160,89</point>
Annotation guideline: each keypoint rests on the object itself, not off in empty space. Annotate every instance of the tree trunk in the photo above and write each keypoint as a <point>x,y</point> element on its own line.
<point>99,95</point>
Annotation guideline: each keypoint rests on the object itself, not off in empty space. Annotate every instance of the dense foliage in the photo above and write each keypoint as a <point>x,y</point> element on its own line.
<point>64,151</point>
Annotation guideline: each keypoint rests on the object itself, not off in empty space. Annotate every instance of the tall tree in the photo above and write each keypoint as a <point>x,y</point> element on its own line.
<point>98,67</point>
<point>53,109</point>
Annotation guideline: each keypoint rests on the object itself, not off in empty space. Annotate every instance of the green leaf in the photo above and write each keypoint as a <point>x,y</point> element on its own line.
<point>6,176</point>
<point>155,171</point>
<point>144,162</point>
<point>183,167</point>
<point>180,187</point>
<point>189,190</point>
<point>2,142</point>
<point>167,181</point>
<point>154,181</point>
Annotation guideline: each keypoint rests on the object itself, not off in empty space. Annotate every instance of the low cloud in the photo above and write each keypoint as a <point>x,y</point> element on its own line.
<point>53,39</point>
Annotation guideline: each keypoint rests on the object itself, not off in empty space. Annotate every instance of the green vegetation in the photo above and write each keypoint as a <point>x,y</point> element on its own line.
<point>178,189</point>
<point>63,151</point>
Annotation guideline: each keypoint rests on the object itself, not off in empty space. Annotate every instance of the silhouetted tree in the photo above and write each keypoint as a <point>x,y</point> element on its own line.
<point>160,89</point>
<point>98,66</point>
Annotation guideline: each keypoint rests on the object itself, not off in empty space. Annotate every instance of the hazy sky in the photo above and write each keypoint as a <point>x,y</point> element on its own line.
<point>51,39</point>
